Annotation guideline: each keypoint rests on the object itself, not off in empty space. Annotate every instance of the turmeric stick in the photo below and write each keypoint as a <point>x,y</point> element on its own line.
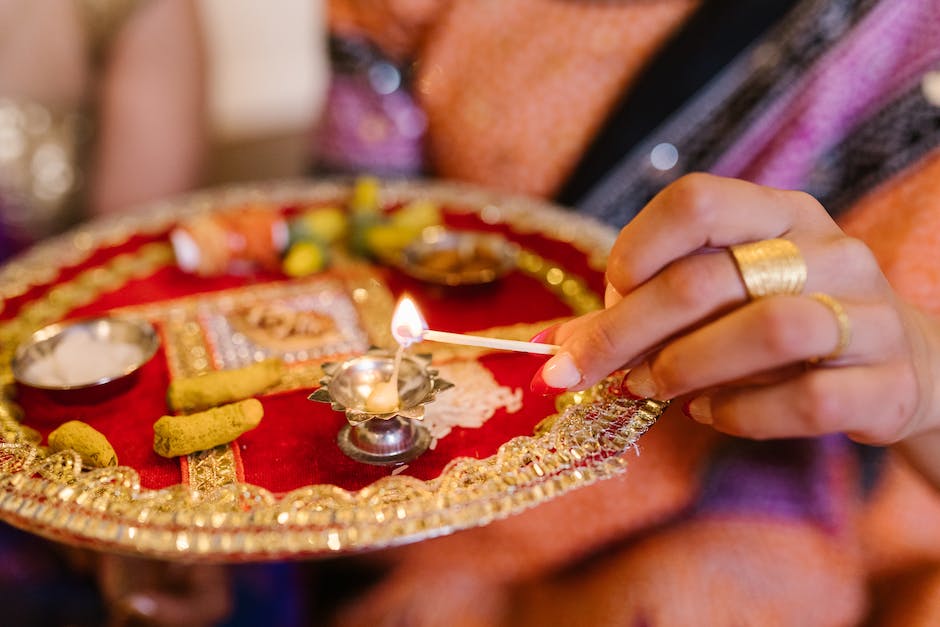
<point>181,435</point>
<point>224,386</point>
<point>90,444</point>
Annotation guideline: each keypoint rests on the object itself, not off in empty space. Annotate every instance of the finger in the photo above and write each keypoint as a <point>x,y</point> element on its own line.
<point>763,336</point>
<point>549,334</point>
<point>871,404</point>
<point>685,294</point>
<point>699,211</point>
<point>561,332</point>
<point>689,290</point>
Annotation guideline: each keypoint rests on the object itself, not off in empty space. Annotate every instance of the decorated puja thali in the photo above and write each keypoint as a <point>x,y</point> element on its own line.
<point>204,444</point>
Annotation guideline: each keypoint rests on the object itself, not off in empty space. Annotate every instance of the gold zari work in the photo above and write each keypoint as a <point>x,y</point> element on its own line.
<point>225,520</point>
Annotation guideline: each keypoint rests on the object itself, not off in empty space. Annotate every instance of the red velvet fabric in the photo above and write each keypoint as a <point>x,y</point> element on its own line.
<point>125,418</point>
<point>295,444</point>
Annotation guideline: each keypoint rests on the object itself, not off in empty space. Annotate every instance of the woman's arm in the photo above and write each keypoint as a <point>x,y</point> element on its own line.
<point>42,52</point>
<point>152,127</point>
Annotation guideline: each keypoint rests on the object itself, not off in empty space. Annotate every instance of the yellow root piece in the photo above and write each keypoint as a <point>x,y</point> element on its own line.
<point>224,386</point>
<point>181,435</point>
<point>90,444</point>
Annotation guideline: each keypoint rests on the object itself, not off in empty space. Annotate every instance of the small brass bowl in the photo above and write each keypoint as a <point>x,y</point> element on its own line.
<point>458,257</point>
<point>42,344</point>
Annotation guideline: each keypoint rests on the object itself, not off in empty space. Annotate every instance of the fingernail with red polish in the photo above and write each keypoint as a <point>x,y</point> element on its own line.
<point>539,386</point>
<point>544,334</point>
<point>639,382</point>
<point>625,391</point>
<point>559,373</point>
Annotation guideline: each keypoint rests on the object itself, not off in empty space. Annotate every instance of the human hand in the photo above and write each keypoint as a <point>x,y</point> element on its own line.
<point>150,592</point>
<point>678,311</point>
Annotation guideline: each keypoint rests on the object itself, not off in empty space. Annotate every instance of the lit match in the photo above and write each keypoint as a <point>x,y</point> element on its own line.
<point>409,326</point>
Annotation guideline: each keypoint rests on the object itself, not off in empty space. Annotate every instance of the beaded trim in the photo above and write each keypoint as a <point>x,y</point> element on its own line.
<point>107,508</point>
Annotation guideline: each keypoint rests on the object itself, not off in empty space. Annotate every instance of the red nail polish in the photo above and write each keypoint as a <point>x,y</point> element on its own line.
<point>625,391</point>
<point>539,386</point>
<point>543,335</point>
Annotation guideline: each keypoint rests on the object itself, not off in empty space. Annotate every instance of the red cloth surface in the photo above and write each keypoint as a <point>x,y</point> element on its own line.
<point>125,418</point>
<point>295,444</point>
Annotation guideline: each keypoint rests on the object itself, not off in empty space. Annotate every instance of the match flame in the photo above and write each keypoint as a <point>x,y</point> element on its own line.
<point>408,325</point>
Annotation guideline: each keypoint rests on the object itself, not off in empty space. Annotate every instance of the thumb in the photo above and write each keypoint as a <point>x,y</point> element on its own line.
<point>588,353</point>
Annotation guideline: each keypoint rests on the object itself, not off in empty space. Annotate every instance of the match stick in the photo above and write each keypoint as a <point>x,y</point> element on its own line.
<point>489,342</point>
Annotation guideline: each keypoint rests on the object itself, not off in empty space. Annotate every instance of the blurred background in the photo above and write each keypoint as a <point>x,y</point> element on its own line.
<point>108,104</point>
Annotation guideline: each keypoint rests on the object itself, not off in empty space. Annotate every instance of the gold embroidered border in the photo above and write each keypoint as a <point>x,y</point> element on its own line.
<point>212,469</point>
<point>207,470</point>
<point>41,264</point>
<point>106,508</point>
<point>188,355</point>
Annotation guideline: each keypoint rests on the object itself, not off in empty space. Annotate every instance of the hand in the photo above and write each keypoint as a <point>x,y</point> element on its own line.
<point>149,592</point>
<point>677,311</point>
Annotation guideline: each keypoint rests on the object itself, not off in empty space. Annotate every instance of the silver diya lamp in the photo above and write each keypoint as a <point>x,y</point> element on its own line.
<point>381,438</point>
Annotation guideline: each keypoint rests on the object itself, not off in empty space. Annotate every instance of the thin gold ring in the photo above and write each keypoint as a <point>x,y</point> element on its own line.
<point>843,322</point>
<point>770,267</point>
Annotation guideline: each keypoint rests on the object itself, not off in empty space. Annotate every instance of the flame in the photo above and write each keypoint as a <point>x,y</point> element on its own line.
<point>408,325</point>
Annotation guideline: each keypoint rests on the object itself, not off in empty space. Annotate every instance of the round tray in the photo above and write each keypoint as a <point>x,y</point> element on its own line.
<point>287,491</point>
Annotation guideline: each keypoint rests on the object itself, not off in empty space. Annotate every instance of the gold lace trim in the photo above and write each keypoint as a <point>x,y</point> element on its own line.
<point>212,469</point>
<point>106,508</point>
<point>188,353</point>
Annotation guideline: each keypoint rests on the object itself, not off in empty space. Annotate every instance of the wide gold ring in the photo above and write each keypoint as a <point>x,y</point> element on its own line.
<point>770,267</point>
<point>842,320</point>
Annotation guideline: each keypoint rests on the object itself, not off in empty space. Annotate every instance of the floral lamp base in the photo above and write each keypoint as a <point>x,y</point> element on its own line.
<point>381,438</point>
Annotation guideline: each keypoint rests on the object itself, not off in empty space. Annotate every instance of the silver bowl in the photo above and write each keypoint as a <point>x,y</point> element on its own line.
<point>456,258</point>
<point>42,343</point>
<point>381,438</point>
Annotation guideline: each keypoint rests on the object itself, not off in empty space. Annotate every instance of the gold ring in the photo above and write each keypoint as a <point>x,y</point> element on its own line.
<point>842,320</point>
<point>770,267</point>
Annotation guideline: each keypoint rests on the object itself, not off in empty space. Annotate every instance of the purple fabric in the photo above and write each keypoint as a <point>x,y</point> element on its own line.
<point>884,55</point>
<point>364,131</point>
<point>892,46</point>
<point>790,479</point>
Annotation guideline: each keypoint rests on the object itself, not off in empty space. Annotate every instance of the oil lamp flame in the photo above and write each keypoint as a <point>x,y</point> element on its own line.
<point>408,325</point>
